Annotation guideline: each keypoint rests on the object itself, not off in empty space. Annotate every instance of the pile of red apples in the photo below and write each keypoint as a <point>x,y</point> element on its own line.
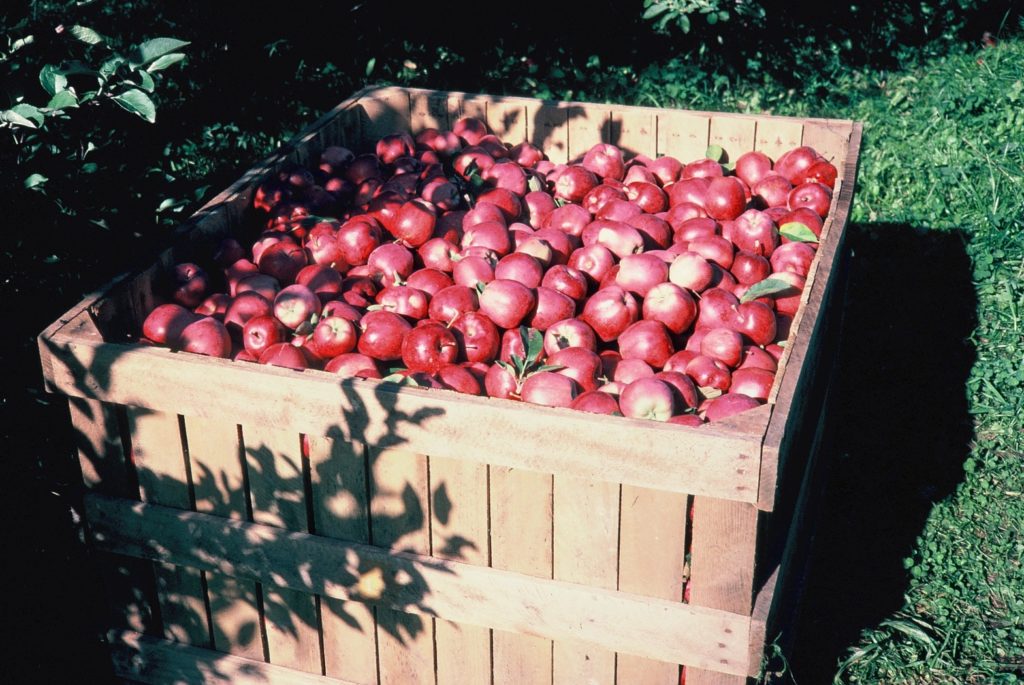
<point>615,284</point>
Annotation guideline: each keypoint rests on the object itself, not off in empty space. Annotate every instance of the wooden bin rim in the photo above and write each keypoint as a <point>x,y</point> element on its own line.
<point>745,442</point>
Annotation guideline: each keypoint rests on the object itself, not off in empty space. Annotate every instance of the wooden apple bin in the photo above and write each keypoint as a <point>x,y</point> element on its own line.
<point>258,524</point>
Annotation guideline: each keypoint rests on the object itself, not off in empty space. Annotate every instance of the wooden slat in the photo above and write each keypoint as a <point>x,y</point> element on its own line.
<point>428,111</point>
<point>586,538</point>
<point>341,510</point>
<point>587,126</point>
<point>634,132</point>
<point>163,479</point>
<point>385,113</point>
<point>830,140</point>
<point>218,483</point>
<point>683,135</point>
<point>733,134</point>
<point>722,568</point>
<point>278,498</point>
<point>550,132</point>
<point>459,531</point>
<point>551,609</point>
<point>521,541</point>
<point>473,107</point>
<point>128,583</point>
<point>651,556</point>
<point>399,511</point>
<point>705,461</point>
<point>776,136</point>
<point>508,120</point>
<point>142,659</point>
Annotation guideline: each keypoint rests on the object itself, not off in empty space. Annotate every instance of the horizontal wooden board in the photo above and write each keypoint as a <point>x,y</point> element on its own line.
<point>143,659</point>
<point>645,626</point>
<point>707,460</point>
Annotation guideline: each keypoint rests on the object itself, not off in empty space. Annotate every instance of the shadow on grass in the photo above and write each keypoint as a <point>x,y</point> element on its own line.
<point>902,432</point>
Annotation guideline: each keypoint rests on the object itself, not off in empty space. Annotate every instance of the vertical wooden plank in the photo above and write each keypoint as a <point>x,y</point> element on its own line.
<point>587,125</point>
<point>521,541</point>
<point>399,520</point>
<point>278,498</point>
<point>722,566</point>
<point>163,479</point>
<point>473,107</point>
<point>459,531</point>
<point>652,545</point>
<point>127,583</point>
<point>634,131</point>
<point>218,482</point>
<point>385,113</point>
<point>586,538</point>
<point>550,132</point>
<point>683,135</point>
<point>341,510</point>
<point>775,136</point>
<point>733,134</point>
<point>831,140</point>
<point>508,120</point>
<point>428,110</point>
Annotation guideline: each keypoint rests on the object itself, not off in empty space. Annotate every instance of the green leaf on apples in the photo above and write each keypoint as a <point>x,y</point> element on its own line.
<point>798,232</point>
<point>152,49</point>
<point>535,184</point>
<point>533,343</point>
<point>783,343</point>
<point>560,202</point>
<point>549,367</point>
<point>769,287</point>
<point>709,392</point>
<point>505,365</point>
<point>715,152</point>
<point>137,102</point>
<point>85,34</point>
<point>480,286</point>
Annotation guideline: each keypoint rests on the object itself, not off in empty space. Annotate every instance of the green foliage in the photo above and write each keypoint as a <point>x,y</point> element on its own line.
<point>666,15</point>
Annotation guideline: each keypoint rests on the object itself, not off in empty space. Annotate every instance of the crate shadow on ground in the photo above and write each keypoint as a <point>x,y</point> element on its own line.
<point>901,433</point>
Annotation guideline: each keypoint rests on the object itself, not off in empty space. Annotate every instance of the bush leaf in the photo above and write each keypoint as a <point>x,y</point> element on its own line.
<point>52,80</point>
<point>768,287</point>
<point>137,102</point>
<point>654,10</point>
<point>152,49</point>
<point>63,99</point>
<point>85,34</point>
<point>165,61</point>
<point>146,81</point>
<point>798,232</point>
<point>35,180</point>
<point>24,115</point>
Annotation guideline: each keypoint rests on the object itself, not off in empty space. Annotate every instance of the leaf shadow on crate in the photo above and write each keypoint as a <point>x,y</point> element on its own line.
<point>900,433</point>
<point>253,592</point>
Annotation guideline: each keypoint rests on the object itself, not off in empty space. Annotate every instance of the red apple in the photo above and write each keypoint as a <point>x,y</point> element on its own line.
<point>757,321</point>
<point>728,405</point>
<point>429,347</point>
<point>295,305</point>
<point>478,337</point>
<point>648,398</point>
<point>795,162</point>
<point>639,273</point>
<point>814,196</point>
<point>333,335</point>
<point>755,232</point>
<point>709,373</point>
<point>670,304</point>
<point>580,364</point>
<point>382,335</point>
<point>164,325</point>
<point>596,402</point>
<point>569,333</point>
<point>570,218</point>
<point>690,270</point>
<point>574,183</point>
<point>725,198</point>
<point>752,382</point>
<point>206,336</point>
<point>610,311</point>
<point>353,365</point>
<point>507,303</point>
<point>606,161</point>
<point>260,332</point>
<point>552,306</point>
<point>285,355</point>
<point>549,389</point>
<point>752,166</point>
<point>404,300</point>
<point>647,340</point>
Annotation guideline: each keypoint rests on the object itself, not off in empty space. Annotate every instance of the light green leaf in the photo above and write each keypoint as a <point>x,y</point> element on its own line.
<point>798,232</point>
<point>715,152</point>
<point>654,10</point>
<point>52,80</point>
<point>9,116</point>
<point>63,99</point>
<point>108,67</point>
<point>533,342</point>
<point>137,102</point>
<point>370,65</point>
<point>85,34</point>
<point>768,287</point>
<point>535,184</point>
<point>712,18</point>
<point>165,61</point>
<point>146,81</point>
<point>149,51</point>
<point>27,112</point>
<point>684,23</point>
<point>35,180</point>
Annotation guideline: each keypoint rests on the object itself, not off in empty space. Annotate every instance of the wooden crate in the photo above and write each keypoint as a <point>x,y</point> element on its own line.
<point>258,524</point>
